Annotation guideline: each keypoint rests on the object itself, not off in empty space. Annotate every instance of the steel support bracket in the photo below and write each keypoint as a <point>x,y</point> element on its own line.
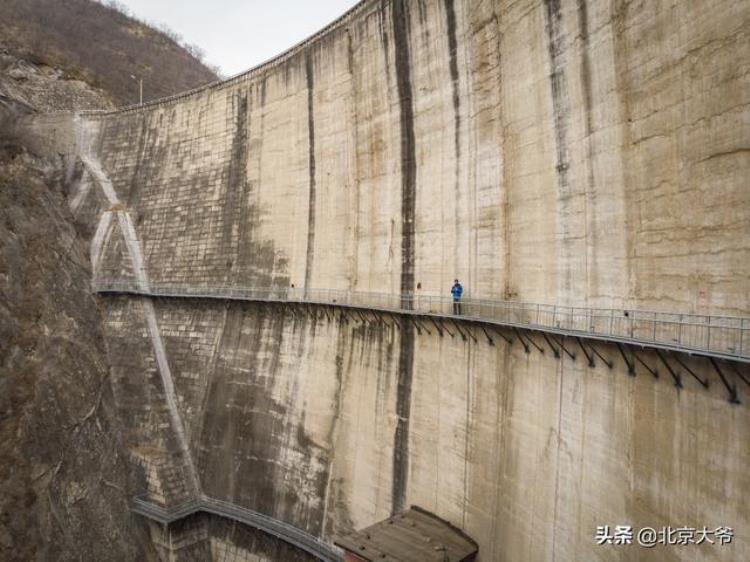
<point>628,362</point>
<point>561,343</point>
<point>731,389</point>
<point>589,356</point>
<point>675,375</point>
<point>654,372</point>
<point>526,347</point>
<point>555,351</point>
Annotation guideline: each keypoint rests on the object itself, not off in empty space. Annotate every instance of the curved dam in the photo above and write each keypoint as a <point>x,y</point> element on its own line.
<point>578,154</point>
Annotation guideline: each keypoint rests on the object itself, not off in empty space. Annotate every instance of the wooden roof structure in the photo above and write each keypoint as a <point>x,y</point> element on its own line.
<point>415,535</point>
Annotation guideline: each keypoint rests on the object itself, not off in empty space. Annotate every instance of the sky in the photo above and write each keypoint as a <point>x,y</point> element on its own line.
<point>239,34</point>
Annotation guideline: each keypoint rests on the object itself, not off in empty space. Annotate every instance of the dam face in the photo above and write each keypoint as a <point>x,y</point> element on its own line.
<point>581,154</point>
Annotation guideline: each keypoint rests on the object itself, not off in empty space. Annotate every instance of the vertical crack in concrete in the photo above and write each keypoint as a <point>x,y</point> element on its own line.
<point>403,411</point>
<point>450,19</point>
<point>408,153</point>
<point>309,70</point>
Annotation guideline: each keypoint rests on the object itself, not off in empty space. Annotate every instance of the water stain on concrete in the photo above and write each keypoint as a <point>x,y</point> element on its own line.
<point>400,17</point>
<point>249,426</point>
<point>256,262</point>
<point>310,74</point>
<point>450,18</point>
<point>622,54</point>
<point>343,345</point>
<point>558,85</point>
<point>590,197</point>
<point>236,183</point>
<point>583,23</point>
<point>142,403</point>
<point>403,412</point>
<point>384,37</point>
<point>561,115</point>
<point>136,181</point>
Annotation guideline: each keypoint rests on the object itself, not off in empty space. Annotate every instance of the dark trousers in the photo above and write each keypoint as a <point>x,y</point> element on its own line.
<point>456,306</point>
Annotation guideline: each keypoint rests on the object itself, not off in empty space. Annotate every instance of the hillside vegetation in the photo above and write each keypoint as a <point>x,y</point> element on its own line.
<point>102,46</point>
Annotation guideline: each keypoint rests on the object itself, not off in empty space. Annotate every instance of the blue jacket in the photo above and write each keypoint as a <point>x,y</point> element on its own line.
<point>457,290</point>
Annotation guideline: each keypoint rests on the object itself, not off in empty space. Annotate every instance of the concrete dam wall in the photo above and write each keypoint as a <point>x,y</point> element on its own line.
<point>583,154</point>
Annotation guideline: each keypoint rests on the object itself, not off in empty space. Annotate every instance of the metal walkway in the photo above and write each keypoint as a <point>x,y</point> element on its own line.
<point>719,337</point>
<point>279,529</point>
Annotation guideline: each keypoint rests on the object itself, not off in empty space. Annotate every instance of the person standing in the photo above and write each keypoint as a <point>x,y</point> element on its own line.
<point>457,290</point>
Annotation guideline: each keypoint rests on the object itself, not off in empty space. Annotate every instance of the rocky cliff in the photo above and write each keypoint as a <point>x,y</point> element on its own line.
<point>63,476</point>
<point>65,483</point>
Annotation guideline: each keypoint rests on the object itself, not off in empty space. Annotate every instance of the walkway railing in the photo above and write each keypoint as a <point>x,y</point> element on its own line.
<point>284,531</point>
<point>719,336</point>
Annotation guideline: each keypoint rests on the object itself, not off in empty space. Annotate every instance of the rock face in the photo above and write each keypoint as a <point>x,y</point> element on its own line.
<point>574,153</point>
<point>64,475</point>
<point>46,88</point>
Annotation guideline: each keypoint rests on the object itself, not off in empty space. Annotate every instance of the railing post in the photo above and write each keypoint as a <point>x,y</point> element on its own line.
<point>708,334</point>
<point>739,346</point>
